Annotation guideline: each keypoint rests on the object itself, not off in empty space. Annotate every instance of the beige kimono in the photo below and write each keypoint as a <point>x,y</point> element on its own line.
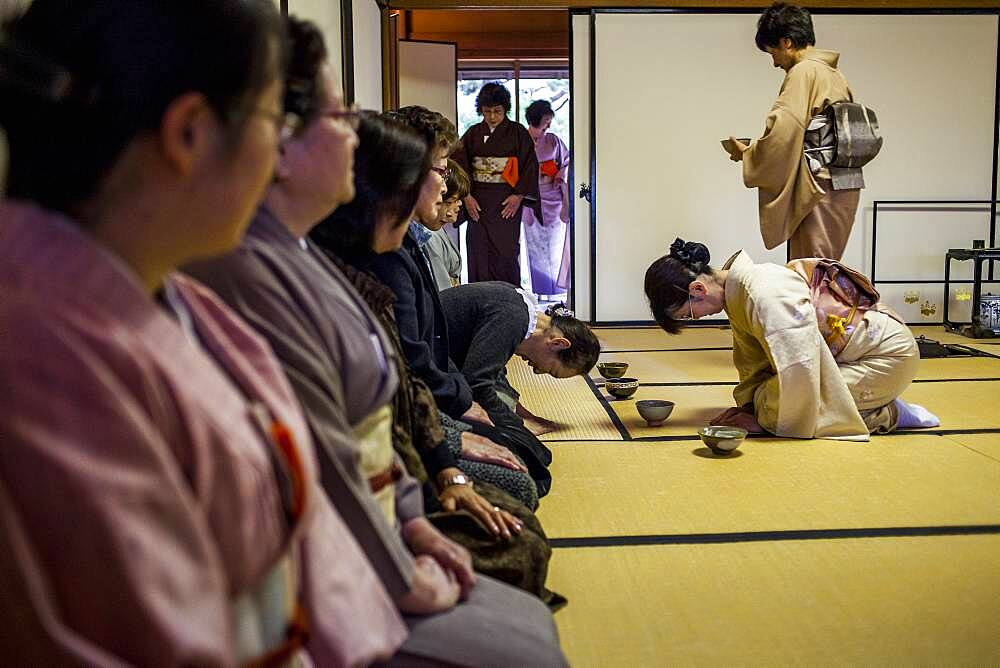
<point>787,371</point>
<point>775,164</point>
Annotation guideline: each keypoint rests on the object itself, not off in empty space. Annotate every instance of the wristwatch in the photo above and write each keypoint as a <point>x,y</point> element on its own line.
<point>458,479</point>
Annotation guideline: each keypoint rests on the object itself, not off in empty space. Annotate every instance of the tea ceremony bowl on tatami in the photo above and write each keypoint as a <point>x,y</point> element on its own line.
<point>654,411</point>
<point>722,440</point>
<point>612,369</point>
<point>622,388</point>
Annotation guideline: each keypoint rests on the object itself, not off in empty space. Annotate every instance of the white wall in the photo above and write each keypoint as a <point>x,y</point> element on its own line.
<point>367,54</point>
<point>668,87</point>
<point>427,76</point>
<point>580,147</point>
<point>326,15</point>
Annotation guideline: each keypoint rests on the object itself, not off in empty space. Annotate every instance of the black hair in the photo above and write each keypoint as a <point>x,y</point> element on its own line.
<point>668,280</point>
<point>115,67</point>
<point>438,131</point>
<point>493,94</point>
<point>584,349</point>
<point>536,111</point>
<point>390,165</point>
<point>457,183</point>
<point>783,19</point>
<point>303,80</point>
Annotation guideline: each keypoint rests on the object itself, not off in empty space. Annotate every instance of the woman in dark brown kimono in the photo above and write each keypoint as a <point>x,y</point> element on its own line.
<point>375,222</point>
<point>499,155</point>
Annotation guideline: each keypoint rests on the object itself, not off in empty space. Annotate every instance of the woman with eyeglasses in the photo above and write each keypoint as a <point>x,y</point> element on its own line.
<point>818,355</point>
<point>159,501</point>
<point>499,155</point>
<point>342,366</point>
<point>423,329</point>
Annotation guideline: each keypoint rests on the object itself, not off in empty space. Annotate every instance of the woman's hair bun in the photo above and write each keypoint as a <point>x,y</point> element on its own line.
<point>559,310</point>
<point>691,254</point>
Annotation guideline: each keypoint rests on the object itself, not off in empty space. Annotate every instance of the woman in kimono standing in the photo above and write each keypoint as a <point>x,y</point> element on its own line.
<point>801,200</point>
<point>499,155</point>
<point>818,356</point>
<point>159,503</point>
<point>547,237</point>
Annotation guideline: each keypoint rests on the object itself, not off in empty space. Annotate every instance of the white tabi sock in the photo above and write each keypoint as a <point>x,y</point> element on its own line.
<point>912,416</point>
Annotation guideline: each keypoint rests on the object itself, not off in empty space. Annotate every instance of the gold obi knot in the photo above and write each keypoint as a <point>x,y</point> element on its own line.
<point>373,436</point>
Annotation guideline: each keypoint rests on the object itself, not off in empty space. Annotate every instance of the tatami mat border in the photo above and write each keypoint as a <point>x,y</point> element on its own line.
<point>761,536</point>
<point>612,415</point>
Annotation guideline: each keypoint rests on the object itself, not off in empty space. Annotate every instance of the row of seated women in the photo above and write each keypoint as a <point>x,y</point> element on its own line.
<point>240,423</point>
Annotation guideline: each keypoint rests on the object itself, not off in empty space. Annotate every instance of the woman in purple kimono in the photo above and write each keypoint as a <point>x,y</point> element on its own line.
<point>547,236</point>
<point>159,497</point>
<point>499,155</point>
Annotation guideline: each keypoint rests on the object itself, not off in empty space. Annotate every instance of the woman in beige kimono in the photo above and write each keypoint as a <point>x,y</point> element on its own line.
<point>806,203</point>
<point>818,356</point>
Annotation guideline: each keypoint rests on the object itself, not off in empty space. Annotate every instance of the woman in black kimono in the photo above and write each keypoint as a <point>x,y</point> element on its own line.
<point>499,156</point>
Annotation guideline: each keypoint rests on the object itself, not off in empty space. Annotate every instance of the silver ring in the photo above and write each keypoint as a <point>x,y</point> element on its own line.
<point>496,509</point>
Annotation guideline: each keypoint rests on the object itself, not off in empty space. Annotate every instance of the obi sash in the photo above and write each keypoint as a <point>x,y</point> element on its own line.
<point>495,170</point>
<point>548,168</point>
<point>840,296</point>
<point>374,439</point>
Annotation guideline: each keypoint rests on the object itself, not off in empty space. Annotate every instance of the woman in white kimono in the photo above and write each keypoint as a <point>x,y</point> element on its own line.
<point>817,355</point>
<point>159,502</point>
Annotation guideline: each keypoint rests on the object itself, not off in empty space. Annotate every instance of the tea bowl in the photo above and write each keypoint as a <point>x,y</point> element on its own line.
<point>622,388</point>
<point>612,369</point>
<point>654,411</point>
<point>721,439</point>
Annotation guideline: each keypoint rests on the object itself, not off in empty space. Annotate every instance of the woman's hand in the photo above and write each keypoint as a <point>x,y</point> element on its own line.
<point>477,413</point>
<point>424,539</point>
<point>463,497</point>
<point>738,417</point>
<point>481,449</point>
<point>472,207</point>
<point>510,205</point>
<point>432,589</point>
<point>740,147</point>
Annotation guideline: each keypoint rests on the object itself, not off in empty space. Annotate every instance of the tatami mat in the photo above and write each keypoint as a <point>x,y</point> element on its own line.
<point>987,445</point>
<point>677,487</point>
<point>569,402</point>
<point>789,552</point>
<point>894,601</point>
<point>654,338</point>
<point>959,405</point>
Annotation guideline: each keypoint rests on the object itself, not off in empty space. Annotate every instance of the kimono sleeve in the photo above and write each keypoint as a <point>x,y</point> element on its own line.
<point>245,282</point>
<point>527,182</point>
<point>450,390</point>
<point>107,555</point>
<point>772,161</point>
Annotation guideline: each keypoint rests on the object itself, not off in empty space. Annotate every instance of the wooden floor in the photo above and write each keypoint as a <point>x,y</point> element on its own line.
<point>804,552</point>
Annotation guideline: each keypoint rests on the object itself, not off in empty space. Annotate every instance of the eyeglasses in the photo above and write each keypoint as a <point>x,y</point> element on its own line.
<point>690,315</point>
<point>350,115</point>
<point>287,124</point>
<point>443,171</point>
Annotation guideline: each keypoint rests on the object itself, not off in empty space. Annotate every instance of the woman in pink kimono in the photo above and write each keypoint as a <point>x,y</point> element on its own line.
<point>159,502</point>
<point>818,356</point>
<point>547,237</point>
